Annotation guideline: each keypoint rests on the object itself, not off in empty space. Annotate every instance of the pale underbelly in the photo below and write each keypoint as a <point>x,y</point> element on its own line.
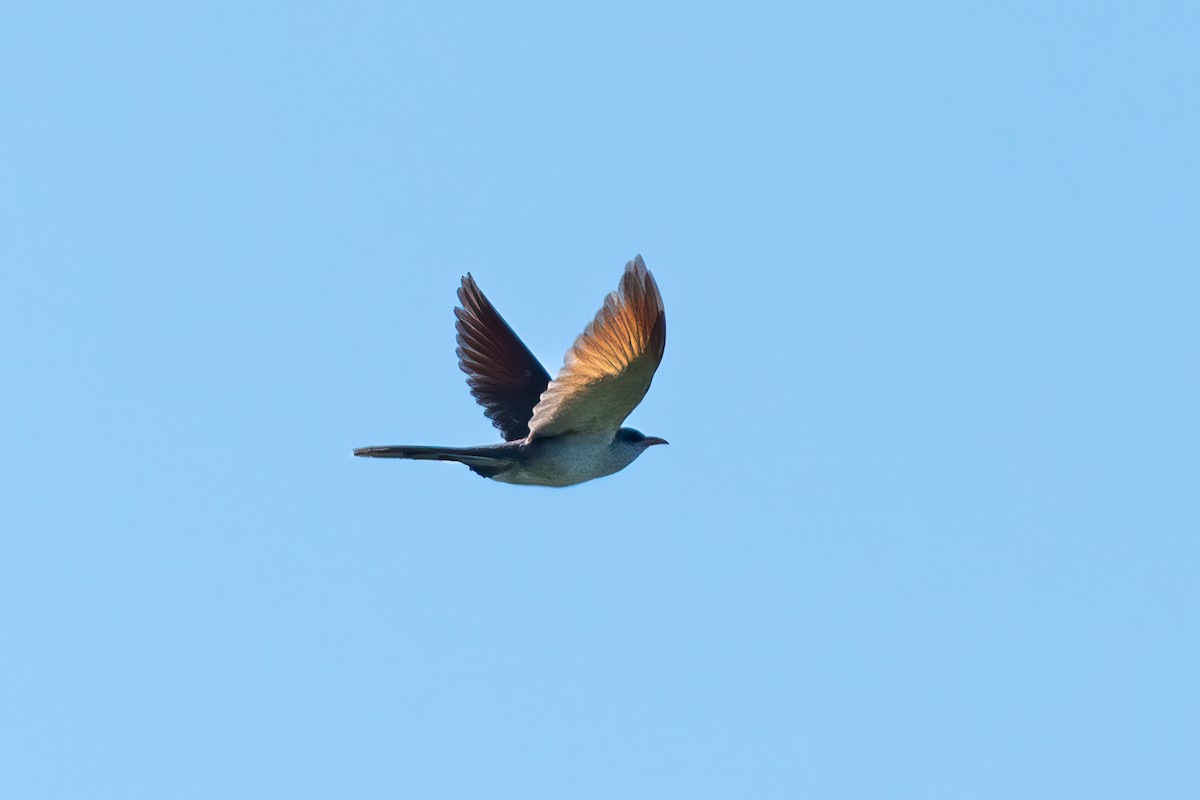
<point>564,462</point>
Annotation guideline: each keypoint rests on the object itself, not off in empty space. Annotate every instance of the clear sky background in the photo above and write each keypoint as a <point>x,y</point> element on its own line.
<point>927,526</point>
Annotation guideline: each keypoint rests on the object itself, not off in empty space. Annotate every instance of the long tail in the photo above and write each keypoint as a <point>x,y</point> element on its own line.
<point>486,461</point>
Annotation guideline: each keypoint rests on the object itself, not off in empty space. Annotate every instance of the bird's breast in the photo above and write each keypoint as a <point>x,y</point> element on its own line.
<point>566,460</point>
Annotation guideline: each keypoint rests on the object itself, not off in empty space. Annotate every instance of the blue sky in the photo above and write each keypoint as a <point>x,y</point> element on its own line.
<point>927,526</point>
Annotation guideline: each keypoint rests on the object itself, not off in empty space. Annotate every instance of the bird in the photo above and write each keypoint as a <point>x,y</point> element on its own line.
<point>565,431</point>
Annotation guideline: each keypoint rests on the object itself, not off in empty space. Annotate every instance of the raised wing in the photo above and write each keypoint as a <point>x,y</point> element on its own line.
<point>503,375</point>
<point>610,366</point>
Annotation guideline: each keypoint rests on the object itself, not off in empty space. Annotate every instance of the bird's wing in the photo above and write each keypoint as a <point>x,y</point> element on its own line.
<point>503,375</point>
<point>610,366</point>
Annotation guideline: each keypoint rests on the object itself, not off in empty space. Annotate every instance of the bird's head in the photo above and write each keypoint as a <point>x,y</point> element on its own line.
<point>634,438</point>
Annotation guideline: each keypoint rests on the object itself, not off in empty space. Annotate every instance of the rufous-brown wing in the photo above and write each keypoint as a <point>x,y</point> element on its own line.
<point>609,368</point>
<point>503,375</point>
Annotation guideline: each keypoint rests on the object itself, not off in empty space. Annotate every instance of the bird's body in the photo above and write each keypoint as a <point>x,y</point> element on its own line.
<point>568,430</point>
<point>570,459</point>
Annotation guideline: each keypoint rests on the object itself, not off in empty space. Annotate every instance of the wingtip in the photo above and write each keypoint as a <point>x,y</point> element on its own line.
<point>466,292</point>
<point>638,275</point>
<point>638,281</point>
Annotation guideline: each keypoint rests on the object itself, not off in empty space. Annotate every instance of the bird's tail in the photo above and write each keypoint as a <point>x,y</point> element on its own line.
<point>487,461</point>
<point>420,452</point>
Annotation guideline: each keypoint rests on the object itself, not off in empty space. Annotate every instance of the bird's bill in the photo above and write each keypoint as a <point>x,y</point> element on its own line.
<point>655,440</point>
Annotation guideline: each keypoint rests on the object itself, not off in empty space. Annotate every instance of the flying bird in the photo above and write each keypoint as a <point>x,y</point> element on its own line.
<point>565,431</point>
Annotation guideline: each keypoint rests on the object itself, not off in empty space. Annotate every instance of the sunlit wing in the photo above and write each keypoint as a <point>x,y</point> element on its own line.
<point>503,375</point>
<point>609,368</point>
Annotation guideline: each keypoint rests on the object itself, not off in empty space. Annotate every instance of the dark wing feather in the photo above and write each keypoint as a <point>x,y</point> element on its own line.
<point>503,375</point>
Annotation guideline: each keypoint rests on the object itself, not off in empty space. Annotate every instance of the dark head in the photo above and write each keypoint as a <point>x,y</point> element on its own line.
<point>630,436</point>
